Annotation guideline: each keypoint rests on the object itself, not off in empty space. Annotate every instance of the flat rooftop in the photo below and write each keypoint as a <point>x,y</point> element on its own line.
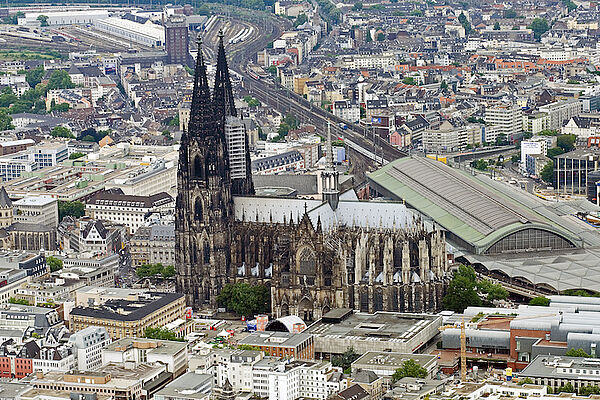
<point>377,326</point>
<point>167,347</point>
<point>275,339</point>
<point>384,359</point>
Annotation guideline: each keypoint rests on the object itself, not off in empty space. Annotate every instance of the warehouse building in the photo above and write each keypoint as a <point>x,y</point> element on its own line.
<point>147,34</point>
<point>56,18</point>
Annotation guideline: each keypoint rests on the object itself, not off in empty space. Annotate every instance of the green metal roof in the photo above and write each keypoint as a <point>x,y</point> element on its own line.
<point>476,209</point>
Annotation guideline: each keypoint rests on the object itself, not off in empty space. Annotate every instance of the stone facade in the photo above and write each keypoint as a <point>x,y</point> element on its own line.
<point>310,266</point>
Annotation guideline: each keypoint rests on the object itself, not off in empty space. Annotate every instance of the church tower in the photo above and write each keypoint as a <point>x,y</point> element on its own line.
<point>204,203</point>
<point>233,127</point>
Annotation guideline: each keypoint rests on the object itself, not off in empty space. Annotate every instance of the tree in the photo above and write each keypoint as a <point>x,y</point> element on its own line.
<point>61,131</point>
<point>554,152</point>
<point>174,121</point>
<point>481,165</point>
<point>54,263</point>
<point>465,23</point>
<point>151,270</point>
<point>5,121</point>
<point>291,121</point>
<point>510,14</point>
<point>588,390</point>
<point>443,85</point>
<point>539,26</point>
<point>161,334</point>
<point>547,173</point>
<point>416,13</point>
<point>540,301</point>
<point>501,139</point>
<point>203,10</point>
<point>244,299</point>
<point>43,20</point>
<point>60,79</point>
<point>566,142</point>
<point>7,97</point>
<point>526,381</point>
<point>75,209</point>
<point>492,291</point>
<point>568,388</point>
<point>76,155</point>
<point>577,353</point>
<point>34,76</point>
<point>380,37</point>
<point>345,360</point>
<point>497,26</point>
<point>462,290</point>
<point>357,6</point>
<point>410,368</point>
<point>251,101</point>
<point>409,80</point>
<point>301,19</point>
<point>88,138</point>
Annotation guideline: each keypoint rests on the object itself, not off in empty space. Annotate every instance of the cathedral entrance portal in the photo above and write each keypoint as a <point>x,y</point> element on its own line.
<point>305,310</point>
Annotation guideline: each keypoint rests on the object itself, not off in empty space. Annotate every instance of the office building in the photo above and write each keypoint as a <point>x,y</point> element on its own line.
<point>99,271</point>
<point>535,163</point>
<point>71,17</point>
<point>177,40</point>
<point>87,346</point>
<point>235,137</point>
<point>189,386</point>
<point>283,344</point>
<point>153,244</point>
<point>571,170</point>
<point>130,318</point>
<point>507,121</point>
<point>450,138</point>
<point>533,146</point>
<point>593,191</point>
<point>36,210</point>
<point>557,371</point>
<point>129,210</point>
<point>137,351</point>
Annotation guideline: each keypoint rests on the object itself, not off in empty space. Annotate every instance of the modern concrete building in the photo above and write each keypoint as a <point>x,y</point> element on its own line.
<point>507,121</point>
<point>560,112</point>
<point>571,170</point>
<point>37,210</point>
<point>177,40</point>
<point>87,345</point>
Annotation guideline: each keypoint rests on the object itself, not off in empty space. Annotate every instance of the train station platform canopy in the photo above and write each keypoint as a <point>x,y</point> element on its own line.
<point>482,215</point>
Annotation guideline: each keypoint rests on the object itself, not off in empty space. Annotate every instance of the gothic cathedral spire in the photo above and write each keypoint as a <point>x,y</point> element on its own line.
<point>223,94</point>
<point>201,122</point>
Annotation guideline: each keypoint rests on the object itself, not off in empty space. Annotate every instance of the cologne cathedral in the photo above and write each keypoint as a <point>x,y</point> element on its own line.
<point>315,255</point>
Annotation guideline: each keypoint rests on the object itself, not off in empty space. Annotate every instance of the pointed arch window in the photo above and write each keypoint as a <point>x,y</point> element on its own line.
<point>198,211</point>
<point>206,253</point>
<point>198,168</point>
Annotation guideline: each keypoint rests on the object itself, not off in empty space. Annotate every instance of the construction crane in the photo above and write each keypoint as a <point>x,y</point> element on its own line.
<point>463,351</point>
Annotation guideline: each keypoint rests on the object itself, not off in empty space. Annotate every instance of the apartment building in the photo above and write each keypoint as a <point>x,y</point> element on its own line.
<point>346,110</point>
<point>560,112</point>
<point>450,138</point>
<point>87,345</point>
<point>283,344</point>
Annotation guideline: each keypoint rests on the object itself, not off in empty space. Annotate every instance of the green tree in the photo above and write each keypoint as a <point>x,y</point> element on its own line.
<point>34,76</point>
<point>462,290</point>
<point>526,381</point>
<point>568,388</point>
<point>409,80</point>
<point>501,139</point>
<point>539,26</point>
<point>465,23</point>
<point>161,334</point>
<point>588,390</point>
<point>510,14</point>
<point>540,301</point>
<point>88,138</point>
<point>345,359</point>
<point>443,85</point>
<point>497,26</point>
<point>380,37</point>
<point>7,97</point>
<point>244,299</point>
<point>566,142</point>
<point>416,13</point>
<point>151,270</point>
<point>174,121</point>
<point>203,10</point>
<point>43,20</point>
<point>5,121</point>
<point>577,353</point>
<point>547,173</point>
<point>301,19</point>
<point>60,79</point>
<point>251,101</point>
<point>61,131</point>
<point>492,291</point>
<point>357,6</point>
<point>75,209</point>
<point>554,152</point>
<point>54,263</point>
<point>481,165</point>
<point>411,369</point>
<point>291,120</point>
<point>76,155</point>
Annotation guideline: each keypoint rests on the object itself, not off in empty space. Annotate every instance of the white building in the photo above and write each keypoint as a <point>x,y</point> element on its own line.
<point>87,347</point>
<point>59,358</point>
<point>533,146</point>
<point>302,379</point>
<point>97,271</point>
<point>561,111</point>
<point>148,34</point>
<point>128,210</point>
<point>64,17</point>
<point>235,137</point>
<point>506,120</point>
<point>579,127</point>
<point>12,168</point>
<point>346,110</point>
<point>37,210</point>
<point>449,138</point>
<point>160,176</point>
